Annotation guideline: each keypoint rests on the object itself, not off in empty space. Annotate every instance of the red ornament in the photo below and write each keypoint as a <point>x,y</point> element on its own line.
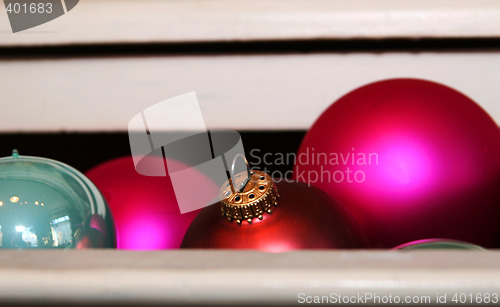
<point>144,208</point>
<point>304,217</point>
<point>410,159</point>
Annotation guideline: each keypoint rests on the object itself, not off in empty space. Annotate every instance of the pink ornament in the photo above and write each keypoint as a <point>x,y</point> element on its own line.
<point>410,159</point>
<point>144,208</point>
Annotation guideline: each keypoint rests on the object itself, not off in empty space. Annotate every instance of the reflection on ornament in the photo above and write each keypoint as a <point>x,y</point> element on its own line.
<point>27,184</point>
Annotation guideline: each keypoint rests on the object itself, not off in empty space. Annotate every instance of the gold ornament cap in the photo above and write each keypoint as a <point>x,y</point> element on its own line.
<point>258,196</point>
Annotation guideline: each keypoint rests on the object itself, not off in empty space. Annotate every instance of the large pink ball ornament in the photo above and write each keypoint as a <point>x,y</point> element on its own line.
<point>410,159</point>
<point>145,208</point>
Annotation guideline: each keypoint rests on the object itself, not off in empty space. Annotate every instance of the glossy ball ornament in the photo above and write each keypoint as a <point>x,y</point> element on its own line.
<point>410,159</point>
<point>301,217</point>
<point>438,244</point>
<point>48,204</point>
<point>145,208</point>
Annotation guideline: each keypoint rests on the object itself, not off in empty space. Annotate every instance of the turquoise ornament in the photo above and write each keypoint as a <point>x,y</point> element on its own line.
<point>438,244</point>
<point>48,204</point>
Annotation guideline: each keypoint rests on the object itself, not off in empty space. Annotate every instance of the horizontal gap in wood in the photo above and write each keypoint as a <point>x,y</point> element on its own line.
<point>254,47</point>
<point>86,150</point>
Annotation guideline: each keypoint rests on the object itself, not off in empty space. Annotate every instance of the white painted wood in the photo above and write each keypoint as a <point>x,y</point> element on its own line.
<point>241,277</point>
<point>113,21</point>
<point>284,91</point>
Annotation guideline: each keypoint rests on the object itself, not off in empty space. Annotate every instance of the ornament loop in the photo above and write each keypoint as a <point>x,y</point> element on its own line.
<point>244,182</point>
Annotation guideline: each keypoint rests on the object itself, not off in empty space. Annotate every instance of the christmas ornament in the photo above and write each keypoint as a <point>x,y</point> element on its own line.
<point>438,244</point>
<point>144,207</point>
<point>48,204</point>
<point>410,159</point>
<point>272,217</point>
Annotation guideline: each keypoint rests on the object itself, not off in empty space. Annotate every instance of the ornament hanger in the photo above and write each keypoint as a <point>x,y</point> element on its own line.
<point>244,181</point>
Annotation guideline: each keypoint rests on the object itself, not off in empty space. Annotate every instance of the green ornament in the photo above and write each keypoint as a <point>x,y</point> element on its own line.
<point>48,204</point>
<point>438,244</point>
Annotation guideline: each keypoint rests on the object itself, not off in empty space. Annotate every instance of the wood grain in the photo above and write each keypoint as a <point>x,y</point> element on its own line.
<point>285,91</point>
<point>238,277</point>
<point>145,21</point>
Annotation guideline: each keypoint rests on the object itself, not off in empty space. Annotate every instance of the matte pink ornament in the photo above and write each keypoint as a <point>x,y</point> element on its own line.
<point>410,159</point>
<point>144,208</point>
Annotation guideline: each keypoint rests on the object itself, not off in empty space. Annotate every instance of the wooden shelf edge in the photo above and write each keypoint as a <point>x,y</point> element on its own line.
<point>239,277</point>
<point>158,21</point>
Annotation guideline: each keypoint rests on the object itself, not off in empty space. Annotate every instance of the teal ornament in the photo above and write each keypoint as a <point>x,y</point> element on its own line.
<point>438,244</point>
<point>48,204</point>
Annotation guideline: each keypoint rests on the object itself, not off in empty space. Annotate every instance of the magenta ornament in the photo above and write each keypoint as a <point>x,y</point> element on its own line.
<point>144,208</point>
<point>409,159</point>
